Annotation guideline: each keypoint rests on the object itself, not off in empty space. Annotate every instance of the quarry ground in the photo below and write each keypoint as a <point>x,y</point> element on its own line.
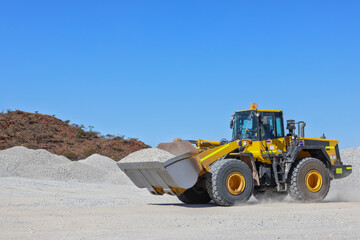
<point>46,196</point>
<point>43,209</point>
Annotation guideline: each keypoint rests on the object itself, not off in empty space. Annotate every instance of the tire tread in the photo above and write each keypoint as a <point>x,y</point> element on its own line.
<point>294,190</point>
<point>212,187</point>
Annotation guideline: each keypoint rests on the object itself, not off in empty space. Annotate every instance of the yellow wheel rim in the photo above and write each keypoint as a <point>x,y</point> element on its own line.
<point>235,183</point>
<point>313,180</point>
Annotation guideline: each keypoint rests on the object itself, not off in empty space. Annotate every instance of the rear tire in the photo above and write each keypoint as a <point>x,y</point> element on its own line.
<point>269,195</point>
<point>230,181</point>
<point>309,180</point>
<point>197,194</point>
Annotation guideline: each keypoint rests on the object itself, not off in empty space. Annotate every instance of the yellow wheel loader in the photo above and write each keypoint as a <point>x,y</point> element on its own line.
<point>260,160</point>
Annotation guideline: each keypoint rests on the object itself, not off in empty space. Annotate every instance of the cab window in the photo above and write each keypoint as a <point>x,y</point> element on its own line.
<point>279,128</point>
<point>268,131</point>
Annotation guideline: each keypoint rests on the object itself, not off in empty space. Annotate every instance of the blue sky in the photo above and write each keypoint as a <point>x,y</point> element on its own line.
<point>156,70</point>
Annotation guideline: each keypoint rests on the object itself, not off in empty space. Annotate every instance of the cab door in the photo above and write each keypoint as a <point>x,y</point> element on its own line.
<point>272,134</point>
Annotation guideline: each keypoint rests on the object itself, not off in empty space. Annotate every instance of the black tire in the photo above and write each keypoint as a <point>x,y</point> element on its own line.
<point>299,190</point>
<point>197,194</point>
<point>269,195</point>
<point>217,182</point>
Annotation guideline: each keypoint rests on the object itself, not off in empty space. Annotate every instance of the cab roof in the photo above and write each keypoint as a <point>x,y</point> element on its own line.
<point>254,106</point>
<point>259,110</point>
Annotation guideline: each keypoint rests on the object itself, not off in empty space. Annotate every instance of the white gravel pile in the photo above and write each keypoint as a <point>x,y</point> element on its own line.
<point>100,162</point>
<point>108,167</point>
<point>148,155</point>
<point>41,164</point>
<point>347,189</point>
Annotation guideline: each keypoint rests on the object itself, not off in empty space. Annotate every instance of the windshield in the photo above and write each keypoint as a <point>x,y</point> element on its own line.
<point>245,126</point>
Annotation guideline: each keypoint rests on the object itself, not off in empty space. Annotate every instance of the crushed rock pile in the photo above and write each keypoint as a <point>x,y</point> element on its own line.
<point>41,164</point>
<point>100,162</point>
<point>347,189</point>
<point>148,155</point>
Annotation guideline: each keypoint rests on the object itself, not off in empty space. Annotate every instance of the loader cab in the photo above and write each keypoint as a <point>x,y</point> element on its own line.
<point>257,125</point>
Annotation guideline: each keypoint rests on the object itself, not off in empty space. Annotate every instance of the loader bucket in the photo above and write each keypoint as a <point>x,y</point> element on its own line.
<point>177,148</point>
<point>173,176</point>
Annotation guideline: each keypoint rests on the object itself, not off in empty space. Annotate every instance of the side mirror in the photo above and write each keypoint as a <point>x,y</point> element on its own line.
<point>232,122</point>
<point>290,125</point>
<point>265,120</point>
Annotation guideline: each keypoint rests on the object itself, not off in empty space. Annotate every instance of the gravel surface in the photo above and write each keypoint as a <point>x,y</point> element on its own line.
<point>16,192</point>
<point>85,212</point>
<point>148,155</point>
<point>45,196</point>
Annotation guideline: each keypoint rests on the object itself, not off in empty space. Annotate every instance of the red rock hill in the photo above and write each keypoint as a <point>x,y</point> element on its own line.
<point>40,131</point>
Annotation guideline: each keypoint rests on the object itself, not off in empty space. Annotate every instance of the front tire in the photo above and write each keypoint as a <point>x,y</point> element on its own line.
<point>229,182</point>
<point>309,180</point>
